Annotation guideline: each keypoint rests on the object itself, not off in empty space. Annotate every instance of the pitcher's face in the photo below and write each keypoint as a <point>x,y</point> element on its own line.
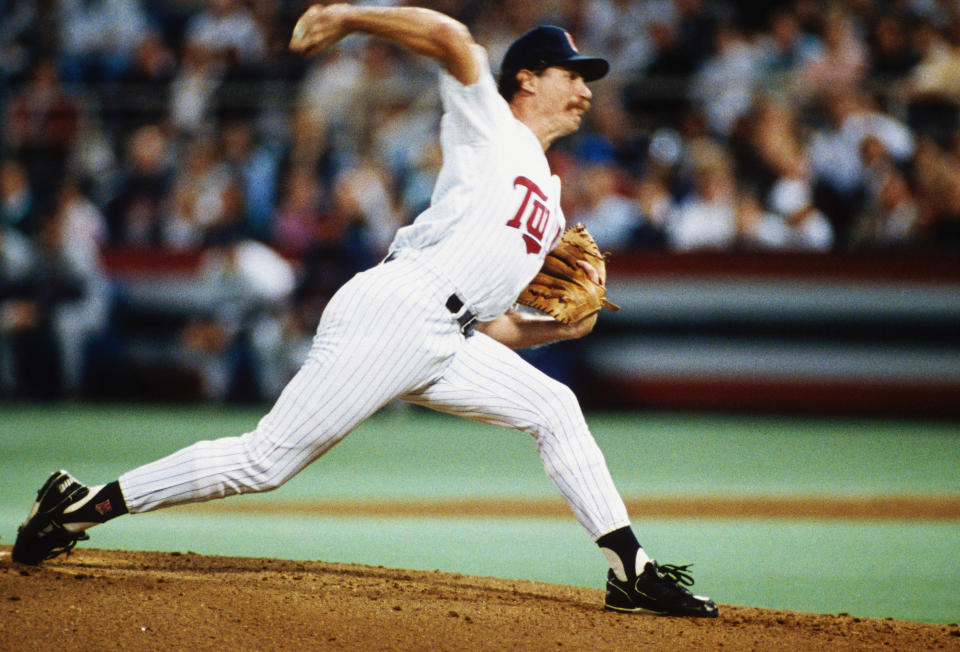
<point>563,97</point>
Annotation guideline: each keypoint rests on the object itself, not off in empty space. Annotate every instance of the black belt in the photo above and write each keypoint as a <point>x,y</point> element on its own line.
<point>467,320</point>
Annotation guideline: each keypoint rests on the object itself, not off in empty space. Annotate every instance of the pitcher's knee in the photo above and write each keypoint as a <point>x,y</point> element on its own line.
<point>264,466</point>
<point>561,411</point>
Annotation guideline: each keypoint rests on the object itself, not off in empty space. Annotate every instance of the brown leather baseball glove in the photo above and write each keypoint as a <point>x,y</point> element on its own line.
<point>562,288</point>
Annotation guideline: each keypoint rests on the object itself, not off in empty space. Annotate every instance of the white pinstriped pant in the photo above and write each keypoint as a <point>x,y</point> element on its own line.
<point>386,335</point>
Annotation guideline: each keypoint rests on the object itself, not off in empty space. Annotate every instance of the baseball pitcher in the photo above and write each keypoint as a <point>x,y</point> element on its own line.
<point>435,323</point>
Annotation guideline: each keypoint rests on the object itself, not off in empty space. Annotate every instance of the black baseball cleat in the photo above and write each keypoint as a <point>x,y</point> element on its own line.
<point>659,590</point>
<point>43,535</point>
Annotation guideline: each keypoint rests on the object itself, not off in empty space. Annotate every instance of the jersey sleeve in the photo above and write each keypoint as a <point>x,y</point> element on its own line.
<point>475,113</point>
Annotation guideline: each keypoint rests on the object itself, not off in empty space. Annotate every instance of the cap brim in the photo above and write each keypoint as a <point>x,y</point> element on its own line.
<point>590,68</point>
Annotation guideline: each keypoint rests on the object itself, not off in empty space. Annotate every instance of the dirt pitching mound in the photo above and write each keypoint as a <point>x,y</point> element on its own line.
<point>112,600</point>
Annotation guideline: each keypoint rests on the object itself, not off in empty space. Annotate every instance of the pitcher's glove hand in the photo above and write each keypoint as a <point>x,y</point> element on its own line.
<point>563,288</point>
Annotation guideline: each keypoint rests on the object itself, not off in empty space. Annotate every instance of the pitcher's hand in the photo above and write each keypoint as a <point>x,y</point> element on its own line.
<point>318,28</point>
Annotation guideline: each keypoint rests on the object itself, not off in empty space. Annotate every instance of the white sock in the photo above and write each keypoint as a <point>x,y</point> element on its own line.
<point>641,561</point>
<point>78,526</point>
<point>617,564</point>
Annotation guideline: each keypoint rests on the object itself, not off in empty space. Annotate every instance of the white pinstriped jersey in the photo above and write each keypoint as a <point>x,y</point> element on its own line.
<point>495,210</point>
<point>389,333</point>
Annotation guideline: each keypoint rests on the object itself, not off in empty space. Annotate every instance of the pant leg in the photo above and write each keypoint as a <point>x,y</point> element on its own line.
<point>381,336</point>
<point>488,382</point>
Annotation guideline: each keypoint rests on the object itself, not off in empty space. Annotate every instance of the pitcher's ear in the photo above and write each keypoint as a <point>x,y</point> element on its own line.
<point>525,78</point>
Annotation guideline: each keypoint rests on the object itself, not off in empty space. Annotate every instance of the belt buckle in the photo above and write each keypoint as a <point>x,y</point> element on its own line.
<point>467,321</point>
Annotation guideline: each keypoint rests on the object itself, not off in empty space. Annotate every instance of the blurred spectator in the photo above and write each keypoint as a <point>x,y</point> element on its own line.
<point>41,127</point>
<point>93,158</point>
<point>841,64</point>
<point>613,136</point>
<point>229,34</point>
<point>170,18</point>
<point>835,152</point>
<point>135,214</point>
<point>654,205</point>
<point>17,259</point>
<point>932,172</point>
<point>785,48</point>
<point>98,37</point>
<point>620,28</point>
<point>18,24</point>
<point>499,22</point>
<point>419,182</point>
<point>226,29</point>
<point>235,345</point>
<point>876,162</point>
<point>18,206</point>
<point>342,92</point>
<point>753,222</point>
<point>17,312</point>
<point>206,197</point>
<point>767,145</point>
<point>936,174</point>
<point>74,235</point>
<point>274,20</point>
<point>609,215</point>
<point>193,91</point>
<point>299,221</point>
<point>933,86</point>
<point>143,95</point>
<point>42,295</point>
<point>893,216</point>
<point>340,243</point>
<point>695,25</point>
<point>659,92</point>
<point>706,218</point>
<point>256,165</point>
<point>665,154</point>
<point>405,125</point>
<point>797,225</point>
<point>324,99</point>
<point>725,83</point>
<point>891,55</point>
<point>365,193</point>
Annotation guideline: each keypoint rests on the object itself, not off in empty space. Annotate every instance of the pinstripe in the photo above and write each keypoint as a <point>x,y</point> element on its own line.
<point>489,383</point>
<point>342,383</point>
<point>387,334</point>
<point>466,228</point>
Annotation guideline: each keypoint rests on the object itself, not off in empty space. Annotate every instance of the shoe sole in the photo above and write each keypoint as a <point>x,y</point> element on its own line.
<point>650,612</point>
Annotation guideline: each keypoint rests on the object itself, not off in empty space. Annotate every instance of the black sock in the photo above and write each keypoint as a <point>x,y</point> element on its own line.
<point>105,504</point>
<point>624,545</point>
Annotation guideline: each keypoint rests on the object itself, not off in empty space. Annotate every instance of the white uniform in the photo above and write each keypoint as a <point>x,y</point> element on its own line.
<point>391,332</point>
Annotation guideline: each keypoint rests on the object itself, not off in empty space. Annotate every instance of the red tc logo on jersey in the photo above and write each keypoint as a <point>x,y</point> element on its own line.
<point>533,216</point>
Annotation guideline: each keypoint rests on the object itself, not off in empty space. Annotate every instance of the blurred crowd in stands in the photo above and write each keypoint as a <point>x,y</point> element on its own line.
<point>185,126</point>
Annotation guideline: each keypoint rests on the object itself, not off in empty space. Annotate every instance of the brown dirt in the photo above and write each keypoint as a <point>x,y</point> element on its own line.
<point>111,600</point>
<point>945,507</point>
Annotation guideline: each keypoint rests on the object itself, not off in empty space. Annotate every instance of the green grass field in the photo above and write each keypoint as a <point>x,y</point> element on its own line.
<point>905,569</point>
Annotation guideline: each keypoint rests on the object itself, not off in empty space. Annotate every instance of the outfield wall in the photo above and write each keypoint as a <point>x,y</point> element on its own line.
<point>862,333</point>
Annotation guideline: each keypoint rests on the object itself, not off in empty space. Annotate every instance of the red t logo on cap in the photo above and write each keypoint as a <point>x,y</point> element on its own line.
<point>572,44</point>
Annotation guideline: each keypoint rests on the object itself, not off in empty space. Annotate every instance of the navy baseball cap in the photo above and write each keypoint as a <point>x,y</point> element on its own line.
<point>546,46</point>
